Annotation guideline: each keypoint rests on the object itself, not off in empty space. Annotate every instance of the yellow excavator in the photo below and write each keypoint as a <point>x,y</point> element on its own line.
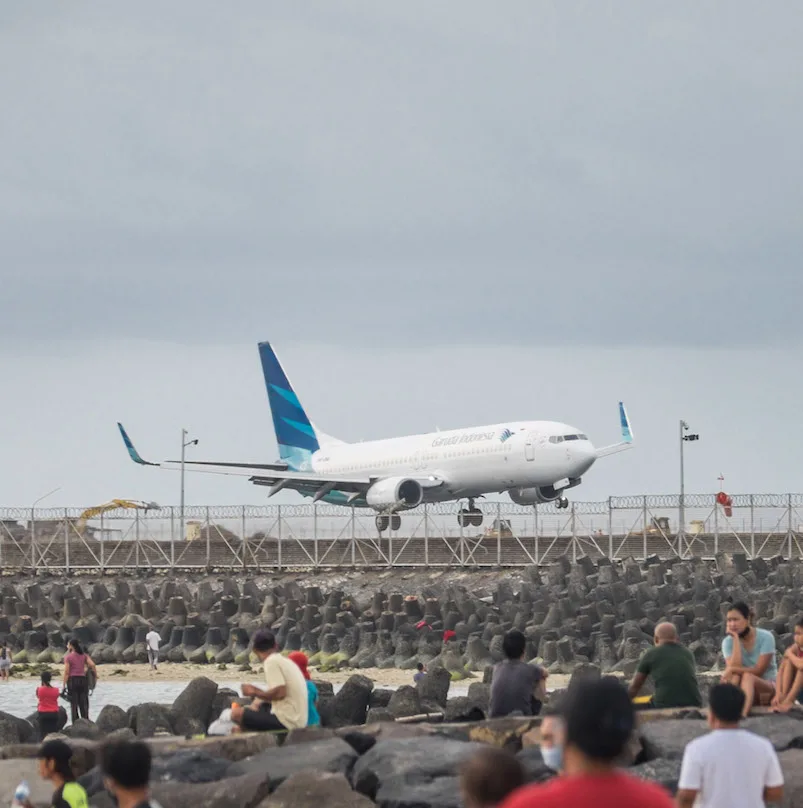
<point>112,505</point>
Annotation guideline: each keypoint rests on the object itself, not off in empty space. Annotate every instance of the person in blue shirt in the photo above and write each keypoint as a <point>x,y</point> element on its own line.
<point>300,658</point>
<point>750,659</point>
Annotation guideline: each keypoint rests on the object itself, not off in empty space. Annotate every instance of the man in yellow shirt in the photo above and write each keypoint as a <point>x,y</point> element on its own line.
<point>284,701</point>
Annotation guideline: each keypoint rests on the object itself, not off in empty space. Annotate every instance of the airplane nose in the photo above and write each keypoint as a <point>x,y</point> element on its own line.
<point>583,456</point>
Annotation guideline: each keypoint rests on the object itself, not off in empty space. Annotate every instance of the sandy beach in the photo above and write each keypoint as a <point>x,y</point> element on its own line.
<point>183,672</point>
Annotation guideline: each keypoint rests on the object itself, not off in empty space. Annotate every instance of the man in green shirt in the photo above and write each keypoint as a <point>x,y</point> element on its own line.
<point>673,671</point>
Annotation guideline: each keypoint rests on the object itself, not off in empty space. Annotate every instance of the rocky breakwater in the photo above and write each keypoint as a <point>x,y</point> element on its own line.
<point>379,763</point>
<point>601,612</point>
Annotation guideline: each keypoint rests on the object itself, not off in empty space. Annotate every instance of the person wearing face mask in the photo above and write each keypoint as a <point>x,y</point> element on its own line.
<point>750,661</point>
<point>553,736</point>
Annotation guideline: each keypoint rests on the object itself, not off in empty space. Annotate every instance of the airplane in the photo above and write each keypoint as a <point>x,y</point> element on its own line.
<point>533,461</point>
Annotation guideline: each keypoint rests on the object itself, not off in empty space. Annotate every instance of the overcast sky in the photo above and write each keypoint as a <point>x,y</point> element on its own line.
<point>442,214</point>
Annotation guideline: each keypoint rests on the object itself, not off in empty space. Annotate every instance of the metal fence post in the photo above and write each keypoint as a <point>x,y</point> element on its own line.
<point>462,558</point>
<point>716,527</point>
<point>574,536</point>
<point>752,529</point>
<point>499,534</point>
<point>390,540</point>
<point>426,535</point>
<point>610,528</point>
<point>315,533</point>
<point>208,539</point>
<point>536,542</point>
<point>33,541</point>
<point>136,540</point>
<point>789,531</point>
<point>279,537</point>
<point>172,538</point>
<point>644,526</point>
<point>244,545</point>
<point>66,544</point>
<point>353,537</point>
<point>102,544</point>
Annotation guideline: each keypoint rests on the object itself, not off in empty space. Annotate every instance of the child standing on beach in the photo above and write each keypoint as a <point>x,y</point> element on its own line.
<point>47,708</point>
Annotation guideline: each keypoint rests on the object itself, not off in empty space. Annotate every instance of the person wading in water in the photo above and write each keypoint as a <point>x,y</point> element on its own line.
<point>77,665</point>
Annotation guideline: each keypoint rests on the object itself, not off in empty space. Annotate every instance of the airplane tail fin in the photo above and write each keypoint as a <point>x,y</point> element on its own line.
<point>296,436</point>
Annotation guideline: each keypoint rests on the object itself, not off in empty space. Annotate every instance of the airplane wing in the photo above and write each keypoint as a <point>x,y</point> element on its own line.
<point>317,485</point>
<point>627,436</point>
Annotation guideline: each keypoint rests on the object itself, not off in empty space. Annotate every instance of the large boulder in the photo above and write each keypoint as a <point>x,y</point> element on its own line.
<point>331,755</point>
<point>111,718</point>
<point>349,706</point>
<point>315,789</point>
<point>668,739</point>
<point>194,706</point>
<point>388,764</point>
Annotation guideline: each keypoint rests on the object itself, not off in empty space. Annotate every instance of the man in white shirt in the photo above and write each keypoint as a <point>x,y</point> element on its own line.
<point>730,766</point>
<point>152,641</point>
<point>286,693</point>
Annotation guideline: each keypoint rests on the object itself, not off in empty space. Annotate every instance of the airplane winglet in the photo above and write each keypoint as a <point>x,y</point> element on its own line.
<point>627,435</point>
<point>627,431</point>
<point>132,452</point>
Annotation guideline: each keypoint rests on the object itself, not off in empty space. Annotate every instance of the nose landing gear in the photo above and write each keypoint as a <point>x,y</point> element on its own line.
<point>562,502</point>
<point>471,516</point>
<point>383,521</point>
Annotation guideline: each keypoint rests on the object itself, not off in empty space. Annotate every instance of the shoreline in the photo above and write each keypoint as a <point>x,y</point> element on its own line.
<point>186,671</point>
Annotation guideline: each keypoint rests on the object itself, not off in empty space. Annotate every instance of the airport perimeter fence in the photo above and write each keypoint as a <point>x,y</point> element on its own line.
<point>274,538</point>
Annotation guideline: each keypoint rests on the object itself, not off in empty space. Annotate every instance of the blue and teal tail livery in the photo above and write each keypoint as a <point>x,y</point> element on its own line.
<point>627,435</point>
<point>295,433</point>
<point>132,452</point>
<point>627,432</point>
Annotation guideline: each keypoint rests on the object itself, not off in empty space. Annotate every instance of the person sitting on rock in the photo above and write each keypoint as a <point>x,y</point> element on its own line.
<point>672,669</point>
<point>749,657</point>
<point>600,720</point>
<point>300,659</point>
<point>729,766</point>
<point>126,767</point>
<point>790,674</point>
<point>420,673</point>
<point>516,688</point>
<point>489,776</point>
<point>54,765</point>
<point>285,702</point>
<point>553,739</point>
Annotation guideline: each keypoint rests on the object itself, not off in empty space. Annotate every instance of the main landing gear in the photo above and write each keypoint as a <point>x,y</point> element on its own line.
<point>471,516</point>
<point>385,521</point>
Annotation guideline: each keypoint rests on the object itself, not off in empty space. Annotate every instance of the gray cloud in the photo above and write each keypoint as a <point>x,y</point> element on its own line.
<point>560,173</point>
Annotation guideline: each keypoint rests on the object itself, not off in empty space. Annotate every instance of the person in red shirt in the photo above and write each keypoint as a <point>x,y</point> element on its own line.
<point>599,721</point>
<point>48,706</point>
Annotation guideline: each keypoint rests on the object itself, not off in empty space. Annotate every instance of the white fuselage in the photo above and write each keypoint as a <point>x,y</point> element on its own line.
<point>472,462</point>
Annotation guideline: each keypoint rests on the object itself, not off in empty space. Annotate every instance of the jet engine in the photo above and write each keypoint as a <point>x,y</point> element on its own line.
<point>395,494</point>
<point>533,496</point>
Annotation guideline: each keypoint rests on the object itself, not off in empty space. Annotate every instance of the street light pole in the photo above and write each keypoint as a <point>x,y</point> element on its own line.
<point>33,525</point>
<point>184,444</point>
<point>682,503</point>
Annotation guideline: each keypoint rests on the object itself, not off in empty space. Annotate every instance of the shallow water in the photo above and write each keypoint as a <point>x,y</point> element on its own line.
<point>18,697</point>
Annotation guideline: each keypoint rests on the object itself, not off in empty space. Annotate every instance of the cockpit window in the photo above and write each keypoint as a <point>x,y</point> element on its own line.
<point>556,438</point>
<point>575,436</point>
<point>571,437</point>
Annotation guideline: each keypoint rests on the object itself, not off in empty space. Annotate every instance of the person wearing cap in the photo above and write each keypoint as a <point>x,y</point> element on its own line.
<point>286,694</point>
<point>54,765</point>
<point>599,722</point>
<point>300,658</point>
